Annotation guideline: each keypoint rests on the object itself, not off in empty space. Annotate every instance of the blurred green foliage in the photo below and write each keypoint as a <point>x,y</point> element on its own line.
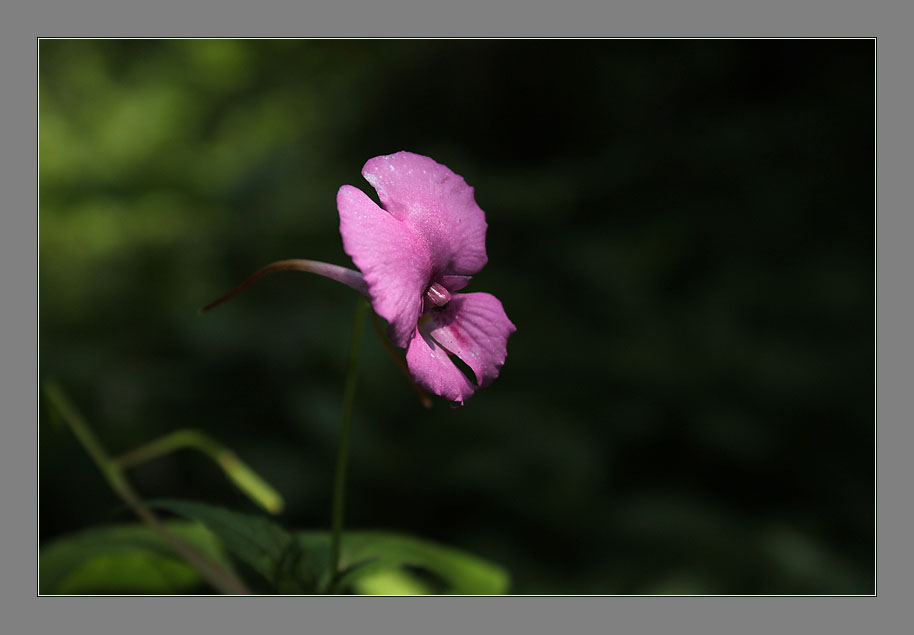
<point>125,559</point>
<point>682,232</point>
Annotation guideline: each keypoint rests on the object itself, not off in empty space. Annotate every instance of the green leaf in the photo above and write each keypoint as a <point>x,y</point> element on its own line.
<point>127,558</point>
<point>262,545</point>
<point>348,576</point>
<point>392,581</point>
<point>384,563</point>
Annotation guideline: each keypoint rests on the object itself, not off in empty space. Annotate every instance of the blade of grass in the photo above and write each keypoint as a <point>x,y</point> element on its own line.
<point>245,478</point>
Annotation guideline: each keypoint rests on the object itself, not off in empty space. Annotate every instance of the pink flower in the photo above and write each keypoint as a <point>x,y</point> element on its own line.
<point>415,253</point>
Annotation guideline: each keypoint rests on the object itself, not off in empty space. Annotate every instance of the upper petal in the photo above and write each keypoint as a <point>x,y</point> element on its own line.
<point>475,328</point>
<point>433,370</point>
<point>392,258</point>
<point>437,204</point>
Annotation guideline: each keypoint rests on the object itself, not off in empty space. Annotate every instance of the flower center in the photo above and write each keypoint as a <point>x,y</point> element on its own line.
<point>437,295</point>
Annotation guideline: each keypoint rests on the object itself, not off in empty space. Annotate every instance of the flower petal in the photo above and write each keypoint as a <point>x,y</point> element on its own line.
<point>455,283</point>
<point>474,327</point>
<point>433,370</point>
<point>437,204</point>
<point>391,257</point>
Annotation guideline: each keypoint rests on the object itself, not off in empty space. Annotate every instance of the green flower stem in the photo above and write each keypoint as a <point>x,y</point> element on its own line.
<point>211,571</point>
<point>246,479</point>
<point>342,456</point>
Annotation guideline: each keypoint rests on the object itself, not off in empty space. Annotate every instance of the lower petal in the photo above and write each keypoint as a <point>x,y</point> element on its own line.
<point>434,371</point>
<point>475,328</point>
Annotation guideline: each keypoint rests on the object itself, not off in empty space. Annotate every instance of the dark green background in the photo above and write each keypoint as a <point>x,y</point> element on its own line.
<point>682,232</point>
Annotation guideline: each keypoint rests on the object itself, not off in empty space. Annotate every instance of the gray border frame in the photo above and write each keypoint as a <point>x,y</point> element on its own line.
<point>25,613</point>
